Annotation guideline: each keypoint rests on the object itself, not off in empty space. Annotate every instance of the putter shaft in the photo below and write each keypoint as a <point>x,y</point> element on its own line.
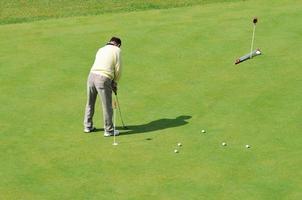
<point>120,112</point>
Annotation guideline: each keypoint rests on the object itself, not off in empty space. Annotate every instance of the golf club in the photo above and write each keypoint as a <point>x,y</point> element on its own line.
<point>120,112</point>
<point>114,116</point>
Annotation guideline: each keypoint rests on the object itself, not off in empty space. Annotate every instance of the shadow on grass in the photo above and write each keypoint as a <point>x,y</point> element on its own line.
<point>156,125</point>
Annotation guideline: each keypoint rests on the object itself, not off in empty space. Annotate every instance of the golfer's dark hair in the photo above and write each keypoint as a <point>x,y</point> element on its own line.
<point>116,40</point>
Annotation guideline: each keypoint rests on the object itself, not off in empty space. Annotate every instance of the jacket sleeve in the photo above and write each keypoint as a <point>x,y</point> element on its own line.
<point>118,67</point>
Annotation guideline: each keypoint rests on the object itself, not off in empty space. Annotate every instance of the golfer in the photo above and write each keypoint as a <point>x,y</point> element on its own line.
<point>102,80</point>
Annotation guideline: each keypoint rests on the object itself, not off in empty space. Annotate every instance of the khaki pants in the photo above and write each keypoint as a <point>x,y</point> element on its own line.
<point>98,84</point>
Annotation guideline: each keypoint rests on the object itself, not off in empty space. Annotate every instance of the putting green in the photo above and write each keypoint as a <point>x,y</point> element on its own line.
<point>179,78</point>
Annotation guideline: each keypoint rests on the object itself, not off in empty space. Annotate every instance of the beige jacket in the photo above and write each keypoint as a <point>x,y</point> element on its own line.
<point>108,62</point>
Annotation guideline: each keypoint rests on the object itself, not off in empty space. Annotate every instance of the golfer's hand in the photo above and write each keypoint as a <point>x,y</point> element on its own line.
<point>114,87</point>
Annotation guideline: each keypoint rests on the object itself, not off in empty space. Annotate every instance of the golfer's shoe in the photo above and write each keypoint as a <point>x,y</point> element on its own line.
<point>89,130</point>
<point>108,134</point>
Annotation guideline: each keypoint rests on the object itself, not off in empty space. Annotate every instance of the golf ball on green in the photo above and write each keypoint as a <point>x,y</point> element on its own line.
<point>247,146</point>
<point>175,151</point>
<point>203,131</point>
<point>179,144</point>
<point>224,144</point>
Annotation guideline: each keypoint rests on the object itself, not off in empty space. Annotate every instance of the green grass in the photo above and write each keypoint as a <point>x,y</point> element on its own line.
<point>17,11</point>
<point>177,62</point>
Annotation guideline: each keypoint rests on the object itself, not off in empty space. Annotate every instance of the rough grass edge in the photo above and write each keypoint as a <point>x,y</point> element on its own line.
<point>150,6</point>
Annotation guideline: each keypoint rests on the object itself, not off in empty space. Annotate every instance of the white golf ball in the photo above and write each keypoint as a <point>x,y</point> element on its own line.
<point>179,144</point>
<point>203,131</point>
<point>175,151</point>
<point>247,146</point>
<point>224,144</point>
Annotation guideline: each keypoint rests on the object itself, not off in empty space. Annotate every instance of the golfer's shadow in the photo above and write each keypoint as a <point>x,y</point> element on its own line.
<point>156,125</point>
